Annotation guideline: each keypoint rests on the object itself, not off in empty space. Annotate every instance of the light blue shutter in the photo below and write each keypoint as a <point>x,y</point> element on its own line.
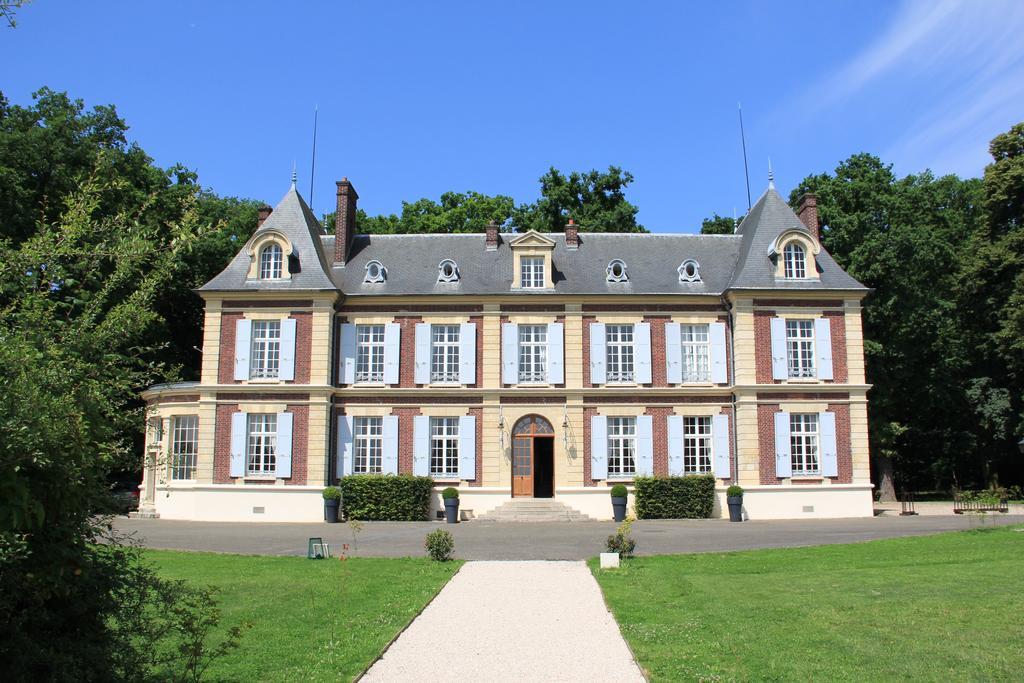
<point>286,370</point>
<point>345,459</point>
<point>642,353</point>
<point>719,369</point>
<point>673,353</point>
<point>644,446</point>
<point>509,353</point>
<point>423,354</point>
<point>556,353</point>
<point>467,447</point>
<point>347,351</point>
<point>783,452</point>
<point>599,447</point>
<point>243,344</point>
<point>598,353</point>
<point>823,346</point>
<point>827,438</point>
<point>239,439</point>
<point>392,349</point>
<point>780,366</point>
<point>421,445</point>
<point>389,444</point>
<point>283,451</point>
<point>675,445</point>
<point>467,353</point>
<point>720,446</point>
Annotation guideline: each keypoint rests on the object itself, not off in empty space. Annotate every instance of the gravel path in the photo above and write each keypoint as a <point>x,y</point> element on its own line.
<point>512,621</point>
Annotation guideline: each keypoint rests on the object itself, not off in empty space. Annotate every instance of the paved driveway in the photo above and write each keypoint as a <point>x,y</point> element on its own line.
<point>536,541</point>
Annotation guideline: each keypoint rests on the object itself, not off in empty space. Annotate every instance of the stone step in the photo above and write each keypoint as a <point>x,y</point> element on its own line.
<point>534,510</point>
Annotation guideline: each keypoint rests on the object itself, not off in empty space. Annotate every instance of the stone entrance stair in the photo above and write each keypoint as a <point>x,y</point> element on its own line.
<point>534,510</point>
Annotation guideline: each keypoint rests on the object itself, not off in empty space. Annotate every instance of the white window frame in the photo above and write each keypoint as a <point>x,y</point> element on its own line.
<point>271,262</point>
<point>265,349</point>
<point>368,445</point>
<point>621,447</point>
<point>533,354</point>
<point>444,354</point>
<point>369,354</point>
<point>620,353</point>
<point>794,258</point>
<point>184,446</point>
<point>531,272</point>
<point>804,444</point>
<point>444,447</point>
<point>697,445</point>
<point>695,345</point>
<point>800,354</point>
<point>261,445</point>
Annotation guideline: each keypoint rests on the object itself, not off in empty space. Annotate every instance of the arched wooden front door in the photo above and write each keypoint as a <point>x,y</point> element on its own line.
<point>533,441</point>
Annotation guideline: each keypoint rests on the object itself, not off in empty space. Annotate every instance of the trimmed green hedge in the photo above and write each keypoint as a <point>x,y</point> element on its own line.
<point>690,497</point>
<point>386,497</point>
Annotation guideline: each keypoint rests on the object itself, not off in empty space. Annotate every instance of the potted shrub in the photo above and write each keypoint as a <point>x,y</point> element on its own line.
<point>734,497</point>
<point>451,504</point>
<point>332,500</point>
<point>619,498</point>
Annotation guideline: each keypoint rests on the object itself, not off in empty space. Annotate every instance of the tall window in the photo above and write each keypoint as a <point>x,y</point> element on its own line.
<point>265,358</point>
<point>369,353</point>
<point>800,347</point>
<point>803,442</point>
<point>532,272</point>
<point>369,445</point>
<point>621,446</point>
<point>271,262</point>
<point>444,353</point>
<point>619,346</point>
<point>533,353</point>
<point>696,351</point>
<point>795,260</point>
<point>184,443</point>
<point>444,446</point>
<point>262,452</point>
<point>696,445</point>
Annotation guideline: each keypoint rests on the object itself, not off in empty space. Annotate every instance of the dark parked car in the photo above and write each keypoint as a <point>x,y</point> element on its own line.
<point>124,494</point>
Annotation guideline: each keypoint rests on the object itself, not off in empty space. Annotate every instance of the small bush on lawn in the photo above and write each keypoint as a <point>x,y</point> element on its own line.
<point>440,545</point>
<point>386,497</point>
<point>621,542</point>
<point>690,497</point>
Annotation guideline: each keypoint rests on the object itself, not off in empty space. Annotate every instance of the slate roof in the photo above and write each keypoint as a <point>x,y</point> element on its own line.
<point>735,261</point>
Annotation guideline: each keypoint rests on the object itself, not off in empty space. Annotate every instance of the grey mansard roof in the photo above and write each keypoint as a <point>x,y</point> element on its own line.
<point>738,261</point>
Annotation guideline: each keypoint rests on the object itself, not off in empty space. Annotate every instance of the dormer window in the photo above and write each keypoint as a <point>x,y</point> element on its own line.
<point>271,262</point>
<point>616,271</point>
<point>375,272</point>
<point>447,271</point>
<point>689,271</point>
<point>795,260</point>
<point>532,272</point>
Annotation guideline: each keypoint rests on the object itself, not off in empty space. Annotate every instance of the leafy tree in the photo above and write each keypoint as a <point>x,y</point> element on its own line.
<point>595,200</point>
<point>719,225</point>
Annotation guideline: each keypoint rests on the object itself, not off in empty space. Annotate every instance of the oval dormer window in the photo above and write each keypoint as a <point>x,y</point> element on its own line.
<point>375,272</point>
<point>689,271</point>
<point>447,271</point>
<point>616,271</point>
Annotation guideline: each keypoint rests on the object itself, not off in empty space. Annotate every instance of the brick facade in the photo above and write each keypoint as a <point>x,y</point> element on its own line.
<point>478,413</point>
<point>222,444</point>
<point>763,346</point>
<point>303,345</point>
<point>659,372</point>
<point>300,444</point>
<point>588,415</point>
<point>405,437</point>
<point>766,442</point>
<point>407,350</point>
<point>844,450</point>
<point>837,325</point>
<point>226,358</point>
<point>659,429</point>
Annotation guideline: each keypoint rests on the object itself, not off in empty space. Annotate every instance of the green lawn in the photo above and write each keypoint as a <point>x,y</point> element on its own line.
<point>311,620</point>
<point>943,607</point>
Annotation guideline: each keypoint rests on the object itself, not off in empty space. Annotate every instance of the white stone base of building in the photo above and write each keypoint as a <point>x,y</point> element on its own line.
<point>233,503</point>
<point>802,502</point>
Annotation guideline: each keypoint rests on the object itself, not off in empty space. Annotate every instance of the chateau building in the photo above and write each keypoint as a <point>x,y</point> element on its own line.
<point>519,365</point>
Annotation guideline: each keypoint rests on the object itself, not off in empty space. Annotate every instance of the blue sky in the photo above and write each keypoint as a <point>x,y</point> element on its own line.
<point>419,98</point>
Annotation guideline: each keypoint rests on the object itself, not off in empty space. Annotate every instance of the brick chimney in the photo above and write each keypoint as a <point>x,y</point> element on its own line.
<point>572,235</point>
<point>492,236</point>
<point>264,214</point>
<point>808,213</point>
<point>344,221</point>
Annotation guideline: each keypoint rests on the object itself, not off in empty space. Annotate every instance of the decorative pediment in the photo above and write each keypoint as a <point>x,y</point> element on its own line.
<point>532,239</point>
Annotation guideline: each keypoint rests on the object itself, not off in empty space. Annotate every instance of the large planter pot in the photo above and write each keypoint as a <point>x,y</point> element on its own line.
<point>451,510</point>
<point>619,508</point>
<point>331,510</point>
<point>735,508</point>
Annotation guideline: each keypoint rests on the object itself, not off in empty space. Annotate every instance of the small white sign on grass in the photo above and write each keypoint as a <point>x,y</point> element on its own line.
<point>609,560</point>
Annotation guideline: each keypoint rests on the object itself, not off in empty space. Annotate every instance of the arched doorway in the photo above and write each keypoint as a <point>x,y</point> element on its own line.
<point>533,458</point>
